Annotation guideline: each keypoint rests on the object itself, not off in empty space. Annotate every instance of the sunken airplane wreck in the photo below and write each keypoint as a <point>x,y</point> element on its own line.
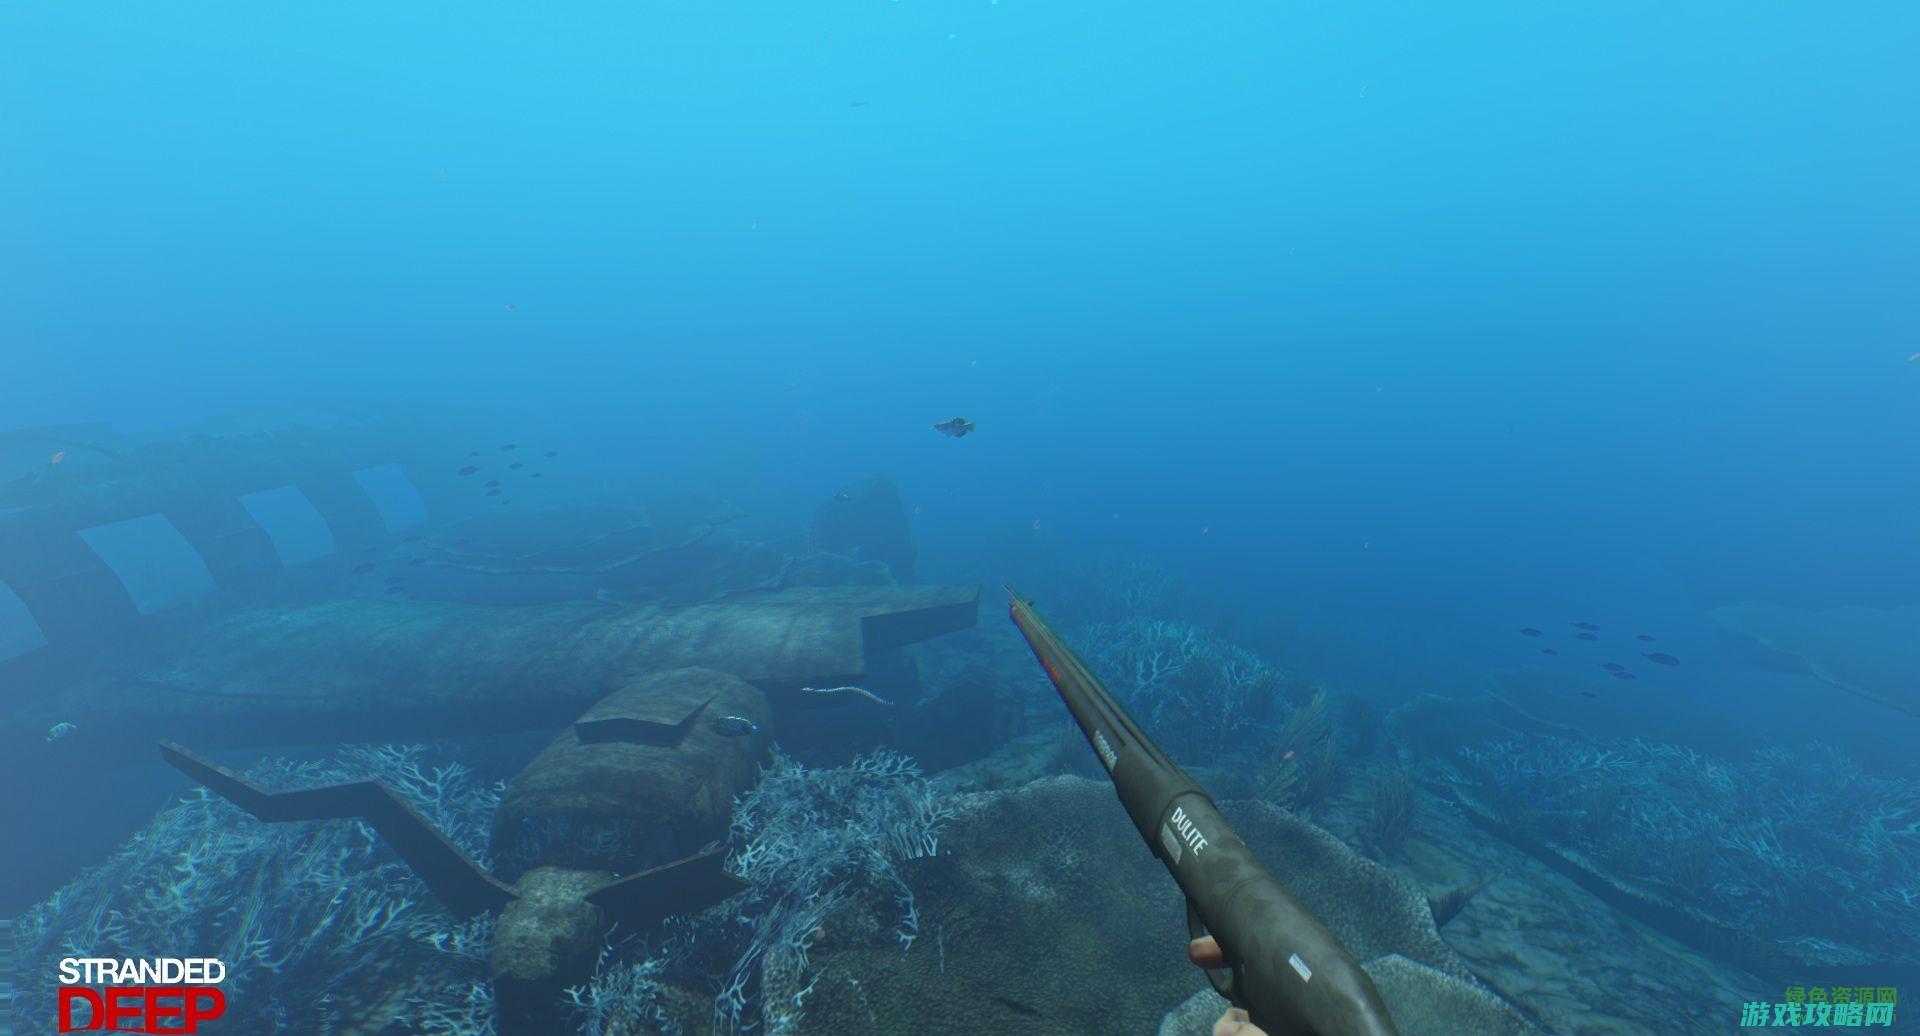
<point>615,822</point>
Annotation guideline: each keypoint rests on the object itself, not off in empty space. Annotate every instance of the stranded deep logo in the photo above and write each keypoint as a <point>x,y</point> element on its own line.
<point>161,996</point>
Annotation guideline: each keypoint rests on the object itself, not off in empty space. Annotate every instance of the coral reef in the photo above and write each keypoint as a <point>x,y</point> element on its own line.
<point>321,926</point>
<point>1198,695</point>
<point>814,846</point>
<point>1797,854</point>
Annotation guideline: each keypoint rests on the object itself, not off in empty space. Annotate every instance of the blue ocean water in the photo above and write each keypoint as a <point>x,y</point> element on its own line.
<point>1386,328</point>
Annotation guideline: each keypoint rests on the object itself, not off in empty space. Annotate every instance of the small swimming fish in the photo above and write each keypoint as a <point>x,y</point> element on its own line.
<point>473,453</point>
<point>1288,757</point>
<point>538,475</point>
<point>493,492</point>
<point>553,453</point>
<point>58,456</point>
<point>61,730</point>
<point>394,580</point>
<point>1643,637</point>
<point>1614,666</point>
<point>953,427</point>
<point>1585,636</point>
<point>395,588</point>
<point>1661,657</point>
<point>468,470</point>
<point>463,541</point>
<point>1548,651</point>
<point>734,726</point>
<point>509,446</point>
<point>1584,626</point>
<point>363,568</point>
<point>515,466</point>
<point>1529,631</point>
<point>492,482</point>
<point>1588,694</point>
<point>1622,674</point>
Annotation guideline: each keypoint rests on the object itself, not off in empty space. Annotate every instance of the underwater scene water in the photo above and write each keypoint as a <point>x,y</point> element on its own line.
<point>504,512</point>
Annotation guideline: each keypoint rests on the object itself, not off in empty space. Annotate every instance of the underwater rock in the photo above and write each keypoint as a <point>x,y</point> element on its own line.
<point>626,801</point>
<point>967,720</point>
<point>1055,869</point>
<point>868,521</point>
<point>1613,707</point>
<point>1871,652</point>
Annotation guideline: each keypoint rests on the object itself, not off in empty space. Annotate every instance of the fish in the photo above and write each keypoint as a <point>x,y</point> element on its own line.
<point>509,446</point>
<point>537,475</point>
<point>473,453</point>
<point>462,541</point>
<point>953,427</point>
<point>363,568</point>
<point>395,588</point>
<point>1548,651</point>
<point>1588,694</point>
<point>1529,631</point>
<point>493,492</point>
<point>1643,637</point>
<point>492,482</point>
<point>1588,626</point>
<point>734,726</point>
<point>1612,665</point>
<point>58,456</point>
<point>468,470</point>
<point>392,580</point>
<point>1622,674</point>
<point>553,453</point>
<point>504,502</point>
<point>515,466</point>
<point>1288,757</point>
<point>1661,657</point>
<point>60,730</point>
<point>1585,636</point>
<point>862,692</point>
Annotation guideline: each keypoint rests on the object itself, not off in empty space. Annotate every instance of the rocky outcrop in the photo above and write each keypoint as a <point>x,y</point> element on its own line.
<point>868,521</point>
<point>1043,913</point>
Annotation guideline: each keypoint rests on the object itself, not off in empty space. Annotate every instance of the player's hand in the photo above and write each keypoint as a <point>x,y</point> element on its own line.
<point>1206,953</point>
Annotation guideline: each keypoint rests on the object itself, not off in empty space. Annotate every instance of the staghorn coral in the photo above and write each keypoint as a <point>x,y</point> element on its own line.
<point>1198,695</point>
<point>810,843</point>
<point>307,917</point>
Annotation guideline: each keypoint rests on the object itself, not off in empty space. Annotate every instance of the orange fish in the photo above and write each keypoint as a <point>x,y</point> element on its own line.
<point>58,457</point>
